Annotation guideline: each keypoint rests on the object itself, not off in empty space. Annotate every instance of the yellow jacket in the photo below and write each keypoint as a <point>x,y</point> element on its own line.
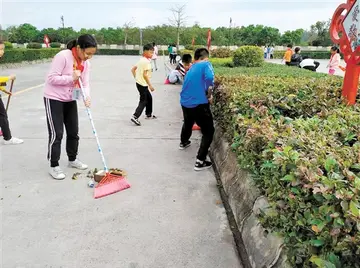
<point>3,80</point>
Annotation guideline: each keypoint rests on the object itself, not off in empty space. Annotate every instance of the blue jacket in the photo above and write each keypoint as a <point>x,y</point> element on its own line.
<point>197,81</point>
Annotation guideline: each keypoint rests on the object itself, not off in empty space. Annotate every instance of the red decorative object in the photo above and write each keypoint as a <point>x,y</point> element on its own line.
<point>209,39</point>
<point>46,40</point>
<point>344,31</point>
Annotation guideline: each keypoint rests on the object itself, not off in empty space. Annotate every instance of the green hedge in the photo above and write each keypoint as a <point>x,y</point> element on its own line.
<point>55,45</point>
<point>248,56</point>
<point>27,54</point>
<point>289,128</point>
<point>108,51</point>
<point>312,54</point>
<point>34,46</point>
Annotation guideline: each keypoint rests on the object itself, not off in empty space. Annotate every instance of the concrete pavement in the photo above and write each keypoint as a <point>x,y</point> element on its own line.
<point>171,217</point>
<point>322,67</point>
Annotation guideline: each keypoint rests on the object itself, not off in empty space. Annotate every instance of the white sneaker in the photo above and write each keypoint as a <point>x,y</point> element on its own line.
<point>77,164</point>
<point>57,173</point>
<point>13,141</point>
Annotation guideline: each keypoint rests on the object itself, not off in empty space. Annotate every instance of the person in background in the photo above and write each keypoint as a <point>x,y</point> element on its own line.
<point>265,52</point>
<point>154,57</point>
<point>142,74</point>
<point>62,91</point>
<point>170,53</point>
<point>173,54</point>
<point>195,100</point>
<point>272,52</point>
<point>288,55</point>
<point>309,64</point>
<point>177,76</point>
<point>296,58</point>
<point>4,121</point>
<point>335,59</point>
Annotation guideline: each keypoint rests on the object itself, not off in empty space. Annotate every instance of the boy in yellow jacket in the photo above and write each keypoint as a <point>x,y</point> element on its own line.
<point>4,122</point>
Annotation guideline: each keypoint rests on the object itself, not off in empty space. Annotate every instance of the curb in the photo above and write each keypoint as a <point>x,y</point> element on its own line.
<point>262,248</point>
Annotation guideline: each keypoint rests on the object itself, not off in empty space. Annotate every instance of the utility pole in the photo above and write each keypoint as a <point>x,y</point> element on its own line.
<point>63,26</point>
<point>230,32</point>
<point>141,41</point>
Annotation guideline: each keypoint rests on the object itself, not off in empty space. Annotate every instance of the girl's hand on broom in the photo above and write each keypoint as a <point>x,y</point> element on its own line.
<point>76,75</point>
<point>88,102</point>
<point>12,77</point>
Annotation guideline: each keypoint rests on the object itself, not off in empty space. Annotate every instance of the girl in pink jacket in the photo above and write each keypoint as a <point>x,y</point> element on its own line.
<point>334,60</point>
<point>61,94</point>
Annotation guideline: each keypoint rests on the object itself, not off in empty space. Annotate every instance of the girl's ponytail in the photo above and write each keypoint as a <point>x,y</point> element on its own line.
<point>335,48</point>
<point>71,44</point>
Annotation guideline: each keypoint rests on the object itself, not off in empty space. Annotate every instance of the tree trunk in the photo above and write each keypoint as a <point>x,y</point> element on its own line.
<point>178,40</point>
<point>125,38</point>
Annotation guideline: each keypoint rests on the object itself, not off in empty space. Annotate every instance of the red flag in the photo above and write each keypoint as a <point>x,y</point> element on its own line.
<point>209,39</point>
<point>46,40</point>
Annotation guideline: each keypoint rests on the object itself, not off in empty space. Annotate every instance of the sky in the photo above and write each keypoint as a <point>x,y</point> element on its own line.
<point>284,15</point>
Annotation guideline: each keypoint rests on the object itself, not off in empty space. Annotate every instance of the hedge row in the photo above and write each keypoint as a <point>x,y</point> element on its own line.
<point>289,128</point>
<point>108,51</point>
<point>27,54</point>
<point>21,54</point>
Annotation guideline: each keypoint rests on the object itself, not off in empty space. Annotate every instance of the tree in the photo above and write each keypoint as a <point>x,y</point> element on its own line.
<point>25,33</point>
<point>127,26</point>
<point>178,20</point>
<point>292,37</point>
<point>320,33</point>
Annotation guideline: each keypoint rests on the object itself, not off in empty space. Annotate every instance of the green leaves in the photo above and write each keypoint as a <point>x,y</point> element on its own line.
<point>297,139</point>
<point>322,263</point>
<point>354,208</point>
<point>330,164</point>
<point>317,243</point>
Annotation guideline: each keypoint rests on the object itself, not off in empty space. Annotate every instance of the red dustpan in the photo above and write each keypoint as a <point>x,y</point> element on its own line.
<point>195,127</point>
<point>110,184</point>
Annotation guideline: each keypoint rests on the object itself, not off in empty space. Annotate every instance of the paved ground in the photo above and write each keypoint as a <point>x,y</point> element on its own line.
<point>170,218</point>
<point>322,68</point>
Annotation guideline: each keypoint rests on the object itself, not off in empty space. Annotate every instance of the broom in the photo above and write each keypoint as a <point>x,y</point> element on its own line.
<point>10,94</point>
<point>110,183</point>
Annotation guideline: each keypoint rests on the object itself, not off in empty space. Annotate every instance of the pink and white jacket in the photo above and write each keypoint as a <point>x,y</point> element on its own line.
<point>334,61</point>
<point>59,83</point>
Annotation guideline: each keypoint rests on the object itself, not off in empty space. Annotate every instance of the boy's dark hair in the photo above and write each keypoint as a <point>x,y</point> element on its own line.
<point>201,53</point>
<point>335,48</point>
<point>148,47</point>
<point>84,41</point>
<point>289,45</point>
<point>186,58</point>
<point>153,44</point>
<point>297,50</point>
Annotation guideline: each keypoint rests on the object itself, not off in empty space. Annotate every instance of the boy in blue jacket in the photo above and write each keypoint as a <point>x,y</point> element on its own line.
<point>195,99</point>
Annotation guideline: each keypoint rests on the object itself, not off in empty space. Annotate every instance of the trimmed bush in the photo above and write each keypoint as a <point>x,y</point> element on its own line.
<point>221,62</point>
<point>185,51</point>
<point>20,54</point>
<point>222,53</point>
<point>248,56</point>
<point>8,45</point>
<point>302,146</point>
<point>34,46</point>
<point>55,45</point>
<point>107,51</point>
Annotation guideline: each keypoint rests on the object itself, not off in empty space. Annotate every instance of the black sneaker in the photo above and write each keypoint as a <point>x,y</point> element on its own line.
<point>202,165</point>
<point>184,145</point>
<point>135,121</point>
